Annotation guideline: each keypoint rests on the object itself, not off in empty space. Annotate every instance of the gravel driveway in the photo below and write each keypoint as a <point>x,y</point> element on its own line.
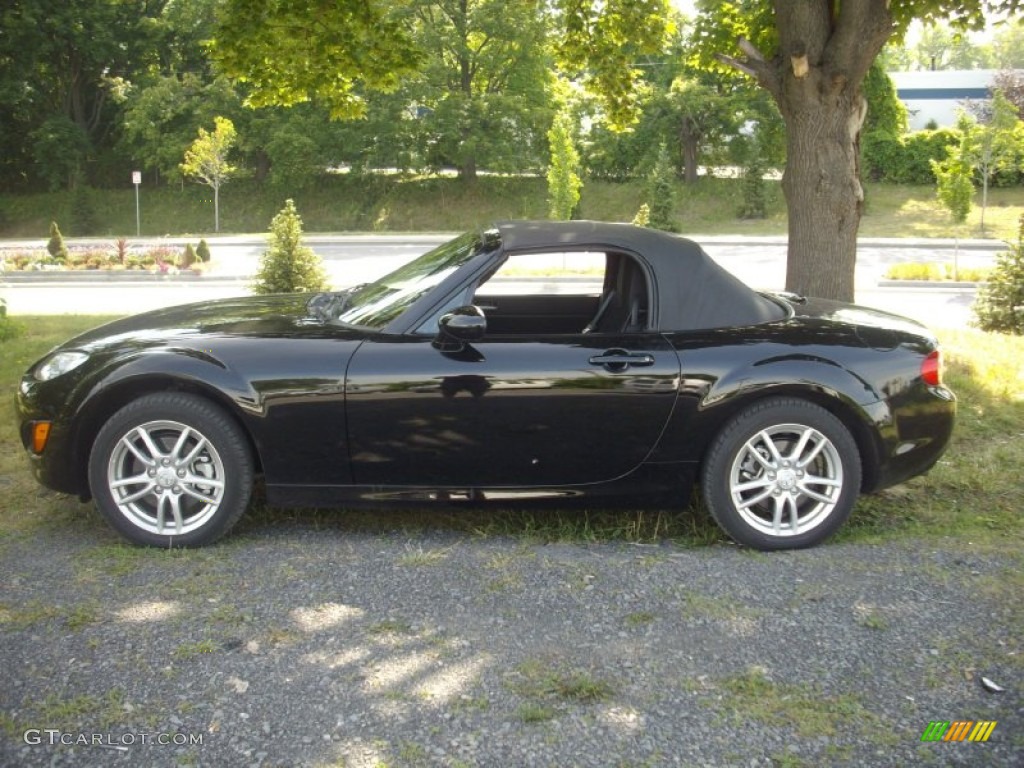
<point>302,644</point>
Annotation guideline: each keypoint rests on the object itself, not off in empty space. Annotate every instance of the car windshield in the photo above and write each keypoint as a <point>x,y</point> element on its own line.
<point>376,304</point>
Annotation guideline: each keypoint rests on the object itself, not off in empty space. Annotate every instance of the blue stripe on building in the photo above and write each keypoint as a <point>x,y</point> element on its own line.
<point>947,94</point>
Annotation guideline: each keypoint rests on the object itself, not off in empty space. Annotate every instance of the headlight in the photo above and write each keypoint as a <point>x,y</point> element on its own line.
<point>59,364</point>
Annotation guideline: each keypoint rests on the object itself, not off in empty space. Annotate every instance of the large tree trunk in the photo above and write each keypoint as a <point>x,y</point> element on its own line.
<point>824,52</point>
<point>821,183</point>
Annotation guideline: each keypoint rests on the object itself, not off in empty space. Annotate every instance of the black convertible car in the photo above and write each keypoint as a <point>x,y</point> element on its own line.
<point>570,363</point>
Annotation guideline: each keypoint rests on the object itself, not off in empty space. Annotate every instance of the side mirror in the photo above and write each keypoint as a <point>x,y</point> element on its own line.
<point>464,325</point>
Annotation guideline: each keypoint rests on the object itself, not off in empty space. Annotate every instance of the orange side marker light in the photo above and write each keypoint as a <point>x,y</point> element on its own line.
<point>40,434</point>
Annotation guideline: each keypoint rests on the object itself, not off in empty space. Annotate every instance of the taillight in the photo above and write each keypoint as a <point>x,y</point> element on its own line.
<point>931,369</point>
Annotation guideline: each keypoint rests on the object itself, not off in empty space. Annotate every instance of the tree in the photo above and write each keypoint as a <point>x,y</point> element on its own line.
<point>1008,46</point>
<point>940,47</point>
<point>481,94</point>
<point>661,193</point>
<point>163,115</point>
<point>812,57</point>
<point>61,62</point>
<point>55,246</point>
<point>207,160</point>
<point>563,173</point>
<point>289,266</point>
<point>1000,303</point>
<point>1011,84</point>
<point>953,174</point>
<point>700,112</point>
<point>990,144</point>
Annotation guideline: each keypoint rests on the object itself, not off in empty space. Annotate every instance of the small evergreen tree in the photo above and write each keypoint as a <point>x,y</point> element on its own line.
<point>203,251</point>
<point>56,247</point>
<point>289,266</point>
<point>563,178</point>
<point>1000,303</point>
<point>661,191</point>
<point>643,216</point>
<point>755,191</point>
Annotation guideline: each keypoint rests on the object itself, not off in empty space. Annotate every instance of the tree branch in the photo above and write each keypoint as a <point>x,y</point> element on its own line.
<point>737,64</point>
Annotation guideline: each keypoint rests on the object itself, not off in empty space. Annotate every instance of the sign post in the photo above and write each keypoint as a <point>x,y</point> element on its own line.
<point>137,180</point>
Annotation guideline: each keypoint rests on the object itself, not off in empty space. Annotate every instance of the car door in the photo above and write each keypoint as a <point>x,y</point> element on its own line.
<point>509,410</point>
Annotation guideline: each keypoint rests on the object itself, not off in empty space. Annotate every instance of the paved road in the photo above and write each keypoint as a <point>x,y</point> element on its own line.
<point>349,259</point>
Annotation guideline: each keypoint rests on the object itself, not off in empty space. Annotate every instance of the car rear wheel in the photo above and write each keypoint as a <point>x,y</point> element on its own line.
<point>171,469</point>
<point>782,474</point>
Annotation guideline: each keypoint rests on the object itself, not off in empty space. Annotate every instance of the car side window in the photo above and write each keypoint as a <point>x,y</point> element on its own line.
<point>568,292</point>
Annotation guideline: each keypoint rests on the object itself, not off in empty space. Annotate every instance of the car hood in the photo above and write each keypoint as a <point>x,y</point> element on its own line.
<point>267,316</point>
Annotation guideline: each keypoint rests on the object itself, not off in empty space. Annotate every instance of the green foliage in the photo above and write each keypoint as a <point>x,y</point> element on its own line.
<point>163,115</point>
<point>203,251</point>
<point>1000,303</point>
<point>603,42</point>
<point>289,266</point>
<point>207,159</point>
<point>884,126</point>
<point>56,247</point>
<point>83,214</point>
<point>563,178</point>
<point>643,216</point>
<point>59,148</point>
<point>482,94</point>
<point>906,160</point>
<point>9,328</point>
<point>289,53</point>
<point>953,176</point>
<point>935,272</point>
<point>941,47</point>
<point>661,192</point>
<point>65,64</point>
<point>755,191</point>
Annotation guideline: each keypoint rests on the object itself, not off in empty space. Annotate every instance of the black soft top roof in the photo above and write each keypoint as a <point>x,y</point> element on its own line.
<point>693,291</point>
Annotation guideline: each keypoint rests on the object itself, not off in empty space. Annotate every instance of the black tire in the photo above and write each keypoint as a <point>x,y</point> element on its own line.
<point>779,462</point>
<point>171,453</point>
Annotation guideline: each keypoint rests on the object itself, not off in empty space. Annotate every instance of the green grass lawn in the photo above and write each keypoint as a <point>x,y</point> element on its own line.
<point>974,493</point>
<point>380,203</point>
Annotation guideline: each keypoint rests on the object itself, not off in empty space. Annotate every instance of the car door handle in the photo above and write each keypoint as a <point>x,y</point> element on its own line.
<point>620,360</point>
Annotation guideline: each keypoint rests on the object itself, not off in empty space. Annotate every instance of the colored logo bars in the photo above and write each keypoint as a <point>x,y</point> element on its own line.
<point>958,730</point>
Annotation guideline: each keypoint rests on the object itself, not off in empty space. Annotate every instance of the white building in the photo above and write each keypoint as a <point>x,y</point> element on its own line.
<point>936,96</point>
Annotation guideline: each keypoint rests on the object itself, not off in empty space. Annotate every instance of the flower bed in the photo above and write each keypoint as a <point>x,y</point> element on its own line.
<point>119,256</point>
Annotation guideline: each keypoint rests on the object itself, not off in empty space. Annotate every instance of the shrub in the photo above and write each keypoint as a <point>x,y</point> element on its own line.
<point>8,327</point>
<point>643,216</point>
<point>1000,303</point>
<point>83,215</point>
<point>754,189</point>
<point>289,266</point>
<point>203,251</point>
<point>121,250</point>
<point>906,160</point>
<point>188,258</point>
<point>929,270</point>
<point>56,246</point>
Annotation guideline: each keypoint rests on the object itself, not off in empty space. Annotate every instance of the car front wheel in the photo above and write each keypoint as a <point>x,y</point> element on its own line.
<point>782,474</point>
<point>171,469</point>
